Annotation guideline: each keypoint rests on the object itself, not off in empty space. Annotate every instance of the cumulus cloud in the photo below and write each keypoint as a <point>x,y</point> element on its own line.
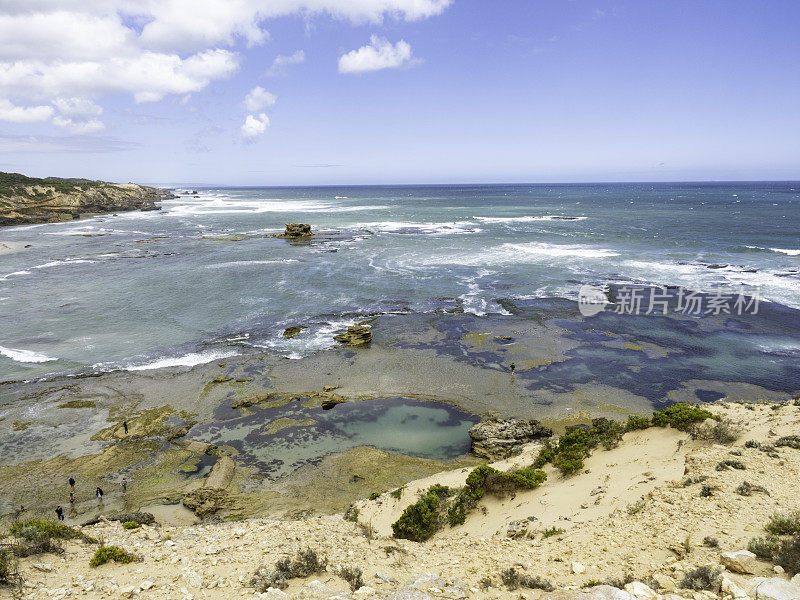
<point>24,114</point>
<point>282,63</point>
<point>254,126</point>
<point>150,49</point>
<point>378,54</point>
<point>259,99</point>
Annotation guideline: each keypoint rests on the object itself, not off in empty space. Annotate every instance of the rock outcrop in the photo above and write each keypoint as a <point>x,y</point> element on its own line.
<point>292,331</point>
<point>356,335</point>
<point>26,200</point>
<point>295,230</point>
<point>496,439</point>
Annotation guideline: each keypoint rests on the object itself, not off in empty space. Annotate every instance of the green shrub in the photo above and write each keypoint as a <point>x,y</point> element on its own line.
<point>730,463</point>
<point>635,422</point>
<point>702,578</point>
<point>49,529</point>
<point>764,547</point>
<point>420,520</point>
<point>790,441</point>
<point>721,432</point>
<point>353,576</point>
<point>787,555</point>
<point>9,566</point>
<point>398,493</point>
<point>528,478</point>
<point>551,531</point>
<point>784,523</point>
<point>457,514</point>
<point>306,563</point>
<point>130,525</point>
<point>476,481</point>
<point>374,495</point>
<point>681,416</point>
<point>513,580</point>
<point>107,553</point>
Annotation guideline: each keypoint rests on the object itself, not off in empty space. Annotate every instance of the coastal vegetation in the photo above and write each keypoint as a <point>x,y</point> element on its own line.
<point>116,554</point>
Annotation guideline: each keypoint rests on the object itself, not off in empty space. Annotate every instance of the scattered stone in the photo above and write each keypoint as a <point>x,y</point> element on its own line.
<point>127,591</point>
<point>408,595</point>
<point>517,528</point>
<point>43,567</point>
<point>578,568</point>
<point>356,335</point>
<point>365,592</point>
<point>728,586</point>
<point>146,584</point>
<point>598,592</point>
<point>665,582</point>
<point>274,594</point>
<point>497,439</point>
<point>739,561</point>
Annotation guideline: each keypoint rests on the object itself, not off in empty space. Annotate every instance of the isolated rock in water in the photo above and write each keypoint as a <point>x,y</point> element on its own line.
<point>221,473</point>
<point>598,592</point>
<point>297,230</point>
<point>196,447</point>
<point>292,331</point>
<point>356,335</point>
<point>740,561</point>
<point>497,439</point>
<point>775,589</point>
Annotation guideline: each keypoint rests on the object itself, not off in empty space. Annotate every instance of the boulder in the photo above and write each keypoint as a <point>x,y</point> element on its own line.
<point>728,586</point>
<point>221,473</point>
<point>496,439</point>
<point>425,581</point>
<point>775,589</point>
<point>140,517</point>
<point>274,594</point>
<point>43,567</point>
<point>356,335</point>
<point>665,582</point>
<point>739,561</point>
<point>641,591</point>
<point>295,230</point>
<point>597,592</point>
<point>196,447</point>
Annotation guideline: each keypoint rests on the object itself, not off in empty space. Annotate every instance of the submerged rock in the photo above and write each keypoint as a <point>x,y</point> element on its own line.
<point>356,335</point>
<point>497,439</point>
<point>292,331</point>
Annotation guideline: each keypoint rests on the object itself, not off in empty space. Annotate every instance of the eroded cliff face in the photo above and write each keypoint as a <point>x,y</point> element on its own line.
<point>26,200</point>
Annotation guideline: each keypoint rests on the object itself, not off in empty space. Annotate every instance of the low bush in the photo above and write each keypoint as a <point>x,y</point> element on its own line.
<point>353,576</point>
<point>784,523</point>
<point>374,495</point>
<point>110,553</point>
<point>721,432</point>
<point>551,531</point>
<point>681,416</point>
<point>747,489</point>
<point>711,542</point>
<point>513,580</point>
<point>307,562</point>
<point>635,422</point>
<point>49,529</point>
<point>702,578</point>
<point>730,463</point>
<point>398,493</point>
<point>790,441</point>
<point>752,444</point>
<point>9,566</point>
<point>706,490</point>
<point>764,547</point>
<point>130,525</point>
<point>420,520</point>
<point>787,555</point>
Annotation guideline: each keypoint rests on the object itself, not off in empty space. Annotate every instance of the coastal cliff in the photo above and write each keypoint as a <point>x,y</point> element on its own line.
<point>27,200</point>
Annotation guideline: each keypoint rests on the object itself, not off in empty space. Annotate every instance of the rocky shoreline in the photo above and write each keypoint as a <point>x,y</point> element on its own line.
<point>654,519</point>
<point>29,200</point>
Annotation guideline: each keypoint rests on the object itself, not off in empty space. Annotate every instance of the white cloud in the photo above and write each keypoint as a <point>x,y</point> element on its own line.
<point>378,54</point>
<point>77,107</point>
<point>259,99</point>
<point>254,126</point>
<point>51,49</point>
<point>24,114</point>
<point>281,63</point>
<point>79,126</point>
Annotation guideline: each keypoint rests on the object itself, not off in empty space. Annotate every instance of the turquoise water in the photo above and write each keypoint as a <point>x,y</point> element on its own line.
<point>138,290</point>
<point>414,428</point>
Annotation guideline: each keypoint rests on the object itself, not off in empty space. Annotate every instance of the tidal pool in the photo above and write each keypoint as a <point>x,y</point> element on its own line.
<point>305,435</point>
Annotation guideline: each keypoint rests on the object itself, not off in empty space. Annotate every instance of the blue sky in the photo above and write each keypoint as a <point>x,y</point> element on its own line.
<point>402,91</point>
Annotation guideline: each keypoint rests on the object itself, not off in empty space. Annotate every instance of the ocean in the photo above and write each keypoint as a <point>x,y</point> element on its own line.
<point>203,279</point>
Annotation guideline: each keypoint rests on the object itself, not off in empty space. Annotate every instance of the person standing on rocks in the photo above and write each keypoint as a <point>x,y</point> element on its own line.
<point>125,427</point>
<point>72,483</point>
<point>99,494</point>
<point>60,513</point>
<point>124,484</point>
